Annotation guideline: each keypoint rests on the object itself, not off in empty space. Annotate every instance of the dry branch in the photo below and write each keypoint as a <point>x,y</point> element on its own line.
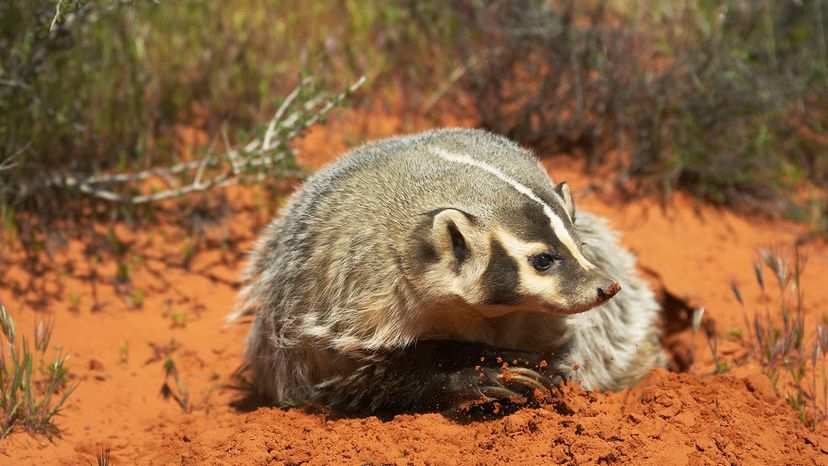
<point>253,162</point>
<point>11,161</point>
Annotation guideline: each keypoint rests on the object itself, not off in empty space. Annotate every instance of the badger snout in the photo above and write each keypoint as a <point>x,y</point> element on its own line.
<point>605,292</point>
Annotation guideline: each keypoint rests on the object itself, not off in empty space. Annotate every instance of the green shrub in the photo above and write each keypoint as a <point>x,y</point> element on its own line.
<point>110,87</point>
<point>712,97</point>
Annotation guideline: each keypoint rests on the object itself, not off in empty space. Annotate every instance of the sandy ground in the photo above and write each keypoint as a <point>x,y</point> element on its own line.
<point>691,252</point>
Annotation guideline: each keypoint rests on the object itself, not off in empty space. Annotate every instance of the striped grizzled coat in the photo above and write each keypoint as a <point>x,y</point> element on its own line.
<point>396,277</point>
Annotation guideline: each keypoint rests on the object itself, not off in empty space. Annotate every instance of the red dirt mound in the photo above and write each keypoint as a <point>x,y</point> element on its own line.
<point>669,419</point>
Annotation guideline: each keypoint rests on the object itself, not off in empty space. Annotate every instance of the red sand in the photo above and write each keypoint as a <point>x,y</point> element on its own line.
<point>670,419</point>
<point>692,251</point>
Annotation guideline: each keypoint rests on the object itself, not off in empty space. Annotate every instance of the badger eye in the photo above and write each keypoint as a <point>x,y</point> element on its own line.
<point>541,262</point>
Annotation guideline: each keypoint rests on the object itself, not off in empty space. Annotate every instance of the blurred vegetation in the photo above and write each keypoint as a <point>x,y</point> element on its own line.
<point>725,99</point>
<point>115,86</point>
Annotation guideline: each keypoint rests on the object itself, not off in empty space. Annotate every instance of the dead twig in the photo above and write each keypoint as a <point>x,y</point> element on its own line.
<point>455,76</point>
<point>255,161</point>
<point>11,161</point>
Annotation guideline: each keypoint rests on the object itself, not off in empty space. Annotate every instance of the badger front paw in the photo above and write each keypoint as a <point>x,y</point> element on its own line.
<point>517,385</point>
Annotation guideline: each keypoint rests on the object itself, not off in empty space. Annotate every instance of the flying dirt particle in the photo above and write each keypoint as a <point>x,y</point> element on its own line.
<point>761,385</point>
<point>538,395</point>
<point>507,374</point>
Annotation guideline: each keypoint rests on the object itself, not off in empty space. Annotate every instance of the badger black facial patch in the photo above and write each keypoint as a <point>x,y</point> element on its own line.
<point>421,246</point>
<point>501,278</point>
<point>458,246</point>
<point>531,224</point>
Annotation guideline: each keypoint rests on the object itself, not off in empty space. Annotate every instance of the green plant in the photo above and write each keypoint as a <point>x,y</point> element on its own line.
<point>123,352</point>
<point>819,351</point>
<point>735,333</point>
<point>178,318</point>
<point>74,301</point>
<point>102,455</point>
<point>162,351</point>
<point>721,365</point>
<point>697,322</point>
<point>178,391</point>
<point>137,298</point>
<point>189,251</point>
<point>27,401</point>
<point>122,276</point>
<point>781,345</point>
<point>779,339</point>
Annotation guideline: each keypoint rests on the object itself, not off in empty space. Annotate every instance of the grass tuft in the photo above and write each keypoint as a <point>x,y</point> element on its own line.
<point>178,390</point>
<point>779,340</point>
<point>30,400</point>
<point>102,455</point>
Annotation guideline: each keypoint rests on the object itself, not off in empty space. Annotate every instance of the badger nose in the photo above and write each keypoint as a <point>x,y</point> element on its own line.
<point>608,291</point>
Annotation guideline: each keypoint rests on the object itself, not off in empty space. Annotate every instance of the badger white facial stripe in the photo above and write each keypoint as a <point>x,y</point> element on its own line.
<point>555,194</point>
<point>557,224</point>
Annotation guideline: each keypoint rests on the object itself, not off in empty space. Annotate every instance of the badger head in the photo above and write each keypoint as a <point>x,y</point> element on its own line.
<point>523,254</point>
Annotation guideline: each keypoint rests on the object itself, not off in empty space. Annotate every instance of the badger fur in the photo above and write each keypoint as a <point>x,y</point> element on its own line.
<point>396,277</point>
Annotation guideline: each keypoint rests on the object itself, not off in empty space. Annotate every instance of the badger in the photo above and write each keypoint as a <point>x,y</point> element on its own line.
<point>437,270</point>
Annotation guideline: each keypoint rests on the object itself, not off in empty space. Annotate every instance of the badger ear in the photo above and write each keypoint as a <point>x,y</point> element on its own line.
<point>563,190</point>
<point>451,231</point>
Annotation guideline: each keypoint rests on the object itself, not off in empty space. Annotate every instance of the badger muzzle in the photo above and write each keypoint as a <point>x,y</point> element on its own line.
<point>595,288</point>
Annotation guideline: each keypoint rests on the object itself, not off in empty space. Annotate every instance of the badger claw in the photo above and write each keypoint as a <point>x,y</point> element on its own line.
<point>502,393</point>
<point>528,382</point>
<point>547,384</point>
<point>533,375</point>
